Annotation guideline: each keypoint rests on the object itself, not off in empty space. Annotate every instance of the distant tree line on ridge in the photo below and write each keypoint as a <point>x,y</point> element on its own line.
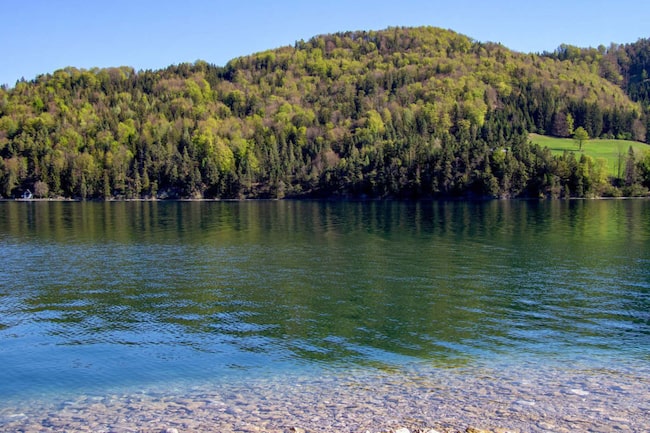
<point>404,112</point>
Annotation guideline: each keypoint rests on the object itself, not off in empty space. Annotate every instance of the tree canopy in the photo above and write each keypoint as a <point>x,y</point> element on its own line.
<point>403,112</point>
<point>580,136</point>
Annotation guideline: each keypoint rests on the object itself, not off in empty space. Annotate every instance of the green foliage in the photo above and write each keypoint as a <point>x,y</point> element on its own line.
<point>612,152</point>
<point>404,112</point>
<point>580,136</point>
<point>644,169</point>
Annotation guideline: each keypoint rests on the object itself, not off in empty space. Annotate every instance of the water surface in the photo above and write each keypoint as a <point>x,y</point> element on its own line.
<point>99,298</point>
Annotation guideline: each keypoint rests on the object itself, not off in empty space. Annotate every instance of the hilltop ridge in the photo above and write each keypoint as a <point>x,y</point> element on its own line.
<point>402,112</point>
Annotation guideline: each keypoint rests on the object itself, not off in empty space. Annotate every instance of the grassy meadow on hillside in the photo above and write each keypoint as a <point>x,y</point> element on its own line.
<point>614,151</point>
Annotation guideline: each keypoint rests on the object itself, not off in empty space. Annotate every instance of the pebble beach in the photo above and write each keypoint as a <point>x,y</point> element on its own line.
<point>444,402</point>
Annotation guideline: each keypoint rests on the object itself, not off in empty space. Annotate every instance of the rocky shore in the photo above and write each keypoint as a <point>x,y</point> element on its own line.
<point>587,401</point>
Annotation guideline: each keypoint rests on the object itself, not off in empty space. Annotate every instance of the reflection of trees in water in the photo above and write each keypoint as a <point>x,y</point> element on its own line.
<point>359,282</point>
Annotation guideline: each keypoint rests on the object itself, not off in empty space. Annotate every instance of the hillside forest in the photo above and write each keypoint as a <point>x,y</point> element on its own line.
<point>399,113</point>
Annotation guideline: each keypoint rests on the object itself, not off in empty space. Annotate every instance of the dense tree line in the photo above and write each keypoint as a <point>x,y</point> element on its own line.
<point>627,66</point>
<point>405,112</point>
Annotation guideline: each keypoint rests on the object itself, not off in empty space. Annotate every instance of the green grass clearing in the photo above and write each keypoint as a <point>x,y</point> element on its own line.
<point>613,151</point>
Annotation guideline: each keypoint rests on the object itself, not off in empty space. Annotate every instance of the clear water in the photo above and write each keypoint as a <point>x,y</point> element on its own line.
<point>97,298</point>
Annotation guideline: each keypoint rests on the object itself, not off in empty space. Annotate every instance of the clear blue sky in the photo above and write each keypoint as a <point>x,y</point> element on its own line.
<point>40,36</point>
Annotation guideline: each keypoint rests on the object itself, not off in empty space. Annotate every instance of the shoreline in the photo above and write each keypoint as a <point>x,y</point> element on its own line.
<point>318,199</point>
<point>429,400</point>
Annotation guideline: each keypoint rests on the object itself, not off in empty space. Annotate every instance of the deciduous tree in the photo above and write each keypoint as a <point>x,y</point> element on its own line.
<point>580,136</point>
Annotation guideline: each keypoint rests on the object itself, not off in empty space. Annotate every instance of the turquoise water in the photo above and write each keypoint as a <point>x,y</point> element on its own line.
<point>99,297</point>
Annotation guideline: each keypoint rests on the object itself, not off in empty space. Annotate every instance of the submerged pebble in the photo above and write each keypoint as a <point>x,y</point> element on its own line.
<point>428,401</point>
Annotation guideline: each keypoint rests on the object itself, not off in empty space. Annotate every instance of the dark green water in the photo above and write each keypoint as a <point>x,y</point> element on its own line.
<point>97,296</point>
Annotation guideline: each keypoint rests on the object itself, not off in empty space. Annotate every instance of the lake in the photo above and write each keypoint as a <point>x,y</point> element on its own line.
<point>330,316</point>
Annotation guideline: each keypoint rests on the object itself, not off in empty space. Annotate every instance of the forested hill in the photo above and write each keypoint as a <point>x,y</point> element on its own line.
<point>404,112</point>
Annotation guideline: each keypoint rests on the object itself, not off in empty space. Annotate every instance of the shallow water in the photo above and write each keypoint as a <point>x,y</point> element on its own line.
<point>419,398</point>
<point>532,316</point>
